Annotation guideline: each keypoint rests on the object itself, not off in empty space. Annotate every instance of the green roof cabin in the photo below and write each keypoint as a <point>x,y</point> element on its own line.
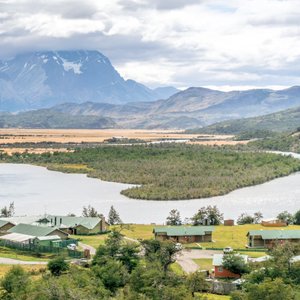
<point>38,231</point>
<point>184,234</point>
<point>78,225</point>
<point>4,226</point>
<point>269,238</point>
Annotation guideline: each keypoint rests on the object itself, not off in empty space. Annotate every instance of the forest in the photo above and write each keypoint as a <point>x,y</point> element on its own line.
<point>168,171</point>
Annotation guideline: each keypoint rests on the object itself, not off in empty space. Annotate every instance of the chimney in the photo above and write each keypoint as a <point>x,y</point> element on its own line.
<point>102,224</point>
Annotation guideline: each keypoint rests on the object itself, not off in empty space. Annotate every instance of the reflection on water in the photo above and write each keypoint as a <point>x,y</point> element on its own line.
<point>35,190</point>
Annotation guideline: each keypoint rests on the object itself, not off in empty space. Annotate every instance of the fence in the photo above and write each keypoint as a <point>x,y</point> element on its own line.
<point>31,247</point>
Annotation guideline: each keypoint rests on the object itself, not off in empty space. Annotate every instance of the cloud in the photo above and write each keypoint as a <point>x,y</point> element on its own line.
<point>178,42</point>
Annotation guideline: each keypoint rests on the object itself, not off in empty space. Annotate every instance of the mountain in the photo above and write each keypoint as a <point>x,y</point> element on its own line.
<point>45,118</point>
<point>283,121</point>
<point>44,79</point>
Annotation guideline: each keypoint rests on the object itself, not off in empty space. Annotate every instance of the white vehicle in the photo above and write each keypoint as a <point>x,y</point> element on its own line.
<point>178,246</point>
<point>227,250</point>
<point>72,247</point>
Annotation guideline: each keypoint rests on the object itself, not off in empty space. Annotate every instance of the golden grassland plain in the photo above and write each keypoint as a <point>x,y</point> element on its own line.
<point>16,135</point>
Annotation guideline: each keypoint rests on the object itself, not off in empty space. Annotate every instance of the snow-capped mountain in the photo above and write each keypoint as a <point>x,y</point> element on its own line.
<point>43,79</point>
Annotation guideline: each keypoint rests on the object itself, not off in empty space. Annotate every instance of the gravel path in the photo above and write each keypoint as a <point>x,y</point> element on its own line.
<point>85,246</point>
<point>185,259</point>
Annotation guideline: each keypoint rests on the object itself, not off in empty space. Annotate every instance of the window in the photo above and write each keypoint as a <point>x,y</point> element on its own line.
<point>220,269</point>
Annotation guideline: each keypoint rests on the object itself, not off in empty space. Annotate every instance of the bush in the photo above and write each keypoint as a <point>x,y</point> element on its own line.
<point>58,265</point>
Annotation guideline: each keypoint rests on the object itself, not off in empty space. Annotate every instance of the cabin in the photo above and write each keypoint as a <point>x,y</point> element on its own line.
<point>68,224</point>
<point>184,234</point>
<point>220,271</point>
<point>78,225</point>
<point>229,222</point>
<point>37,231</point>
<point>269,238</point>
<point>5,225</point>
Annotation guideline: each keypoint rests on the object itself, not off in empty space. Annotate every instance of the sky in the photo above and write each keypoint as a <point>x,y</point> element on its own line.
<point>222,44</point>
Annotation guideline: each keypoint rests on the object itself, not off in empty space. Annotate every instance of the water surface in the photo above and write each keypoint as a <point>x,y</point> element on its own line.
<point>35,190</point>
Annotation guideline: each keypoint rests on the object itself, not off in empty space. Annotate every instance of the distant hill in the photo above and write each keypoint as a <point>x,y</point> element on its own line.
<point>52,119</point>
<point>44,79</point>
<point>287,120</point>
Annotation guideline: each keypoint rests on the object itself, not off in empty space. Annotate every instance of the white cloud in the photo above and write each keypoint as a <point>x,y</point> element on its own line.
<point>182,42</point>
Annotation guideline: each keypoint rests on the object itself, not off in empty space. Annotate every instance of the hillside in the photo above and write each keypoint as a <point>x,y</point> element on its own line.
<point>43,79</point>
<point>48,119</point>
<point>283,121</point>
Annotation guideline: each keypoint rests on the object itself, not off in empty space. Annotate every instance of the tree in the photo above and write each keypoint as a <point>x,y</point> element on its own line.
<point>245,219</point>
<point>235,263</point>
<point>90,212</point>
<point>209,215</point>
<point>162,251</point>
<point>9,211</point>
<point>174,218</point>
<point>113,274</point>
<point>196,282</point>
<point>285,216</point>
<point>113,217</point>
<point>15,284</point>
<point>57,265</point>
<point>258,217</point>
<point>297,218</point>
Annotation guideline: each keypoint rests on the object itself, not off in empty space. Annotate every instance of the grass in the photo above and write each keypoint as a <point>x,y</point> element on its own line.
<point>91,240</point>
<point>138,231</point>
<point>176,268</point>
<point>235,236</point>
<point>29,268</point>
<point>204,263</point>
<point>23,255</point>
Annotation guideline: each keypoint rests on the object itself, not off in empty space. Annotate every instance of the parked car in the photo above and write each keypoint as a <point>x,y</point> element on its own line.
<point>178,246</point>
<point>227,250</point>
<point>71,247</point>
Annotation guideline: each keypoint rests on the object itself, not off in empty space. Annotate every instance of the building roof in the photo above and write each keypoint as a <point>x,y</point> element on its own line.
<point>32,230</point>
<point>68,221</point>
<point>3,223</point>
<point>275,234</point>
<point>16,237</point>
<point>218,259</point>
<point>183,230</point>
<point>48,238</point>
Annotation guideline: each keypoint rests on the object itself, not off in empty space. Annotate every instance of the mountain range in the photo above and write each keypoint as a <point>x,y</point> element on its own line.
<point>64,88</point>
<point>43,79</point>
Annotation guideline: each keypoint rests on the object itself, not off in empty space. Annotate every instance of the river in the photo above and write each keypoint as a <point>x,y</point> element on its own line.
<point>36,190</point>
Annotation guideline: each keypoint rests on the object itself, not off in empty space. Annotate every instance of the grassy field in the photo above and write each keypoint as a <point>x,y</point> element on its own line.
<point>204,263</point>
<point>168,171</point>
<point>29,268</point>
<point>176,268</point>
<point>23,255</point>
<point>223,236</point>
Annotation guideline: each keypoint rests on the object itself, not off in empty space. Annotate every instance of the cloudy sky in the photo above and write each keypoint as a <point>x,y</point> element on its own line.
<point>227,44</point>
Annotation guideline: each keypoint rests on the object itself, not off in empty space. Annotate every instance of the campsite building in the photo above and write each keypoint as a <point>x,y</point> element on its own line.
<point>78,225</point>
<point>38,231</point>
<point>269,238</point>
<point>4,226</point>
<point>184,234</point>
<point>220,271</point>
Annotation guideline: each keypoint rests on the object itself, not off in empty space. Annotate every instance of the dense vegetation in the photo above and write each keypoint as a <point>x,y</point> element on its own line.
<point>283,121</point>
<point>168,171</point>
<point>288,143</point>
<point>122,270</point>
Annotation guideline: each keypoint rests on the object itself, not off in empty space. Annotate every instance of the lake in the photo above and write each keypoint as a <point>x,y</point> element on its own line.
<point>36,190</point>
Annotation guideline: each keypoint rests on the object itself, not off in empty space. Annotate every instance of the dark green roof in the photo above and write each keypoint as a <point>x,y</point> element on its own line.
<point>32,230</point>
<point>276,234</point>
<point>183,230</point>
<point>68,221</point>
